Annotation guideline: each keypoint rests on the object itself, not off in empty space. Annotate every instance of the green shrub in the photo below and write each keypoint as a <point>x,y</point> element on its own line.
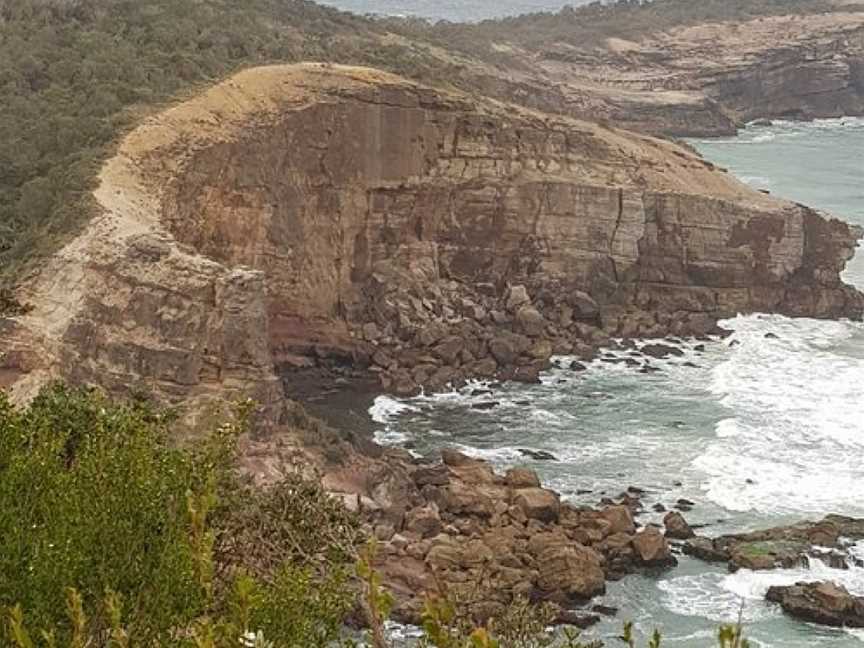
<point>109,530</point>
<point>92,496</point>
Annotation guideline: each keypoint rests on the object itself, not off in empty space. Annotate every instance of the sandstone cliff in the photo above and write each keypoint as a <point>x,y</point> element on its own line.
<point>311,214</point>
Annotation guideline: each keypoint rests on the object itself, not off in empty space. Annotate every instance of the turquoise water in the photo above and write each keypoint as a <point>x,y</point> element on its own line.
<point>758,433</point>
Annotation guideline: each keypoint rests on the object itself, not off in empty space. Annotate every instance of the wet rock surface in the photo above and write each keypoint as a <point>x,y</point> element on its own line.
<point>825,603</point>
<point>782,547</point>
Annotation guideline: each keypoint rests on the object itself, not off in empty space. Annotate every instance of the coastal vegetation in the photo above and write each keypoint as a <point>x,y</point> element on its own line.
<point>107,528</point>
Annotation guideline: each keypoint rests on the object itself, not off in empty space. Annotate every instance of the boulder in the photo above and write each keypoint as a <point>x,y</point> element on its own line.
<point>584,305</point>
<point>425,522</point>
<point>454,458</point>
<point>570,573</point>
<point>538,503</point>
<point>431,334</point>
<point>537,455</point>
<point>824,603</point>
<point>517,296</point>
<point>767,554</point>
<point>530,322</point>
<point>448,349</point>
<point>661,351</point>
<point>529,373</point>
<point>677,527</point>
<point>485,368</point>
<point>705,549</point>
<point>620,519</point>
<point>460,499</point>
<point>541,350</point>
<point>652,549</point>
<point>503,349</point>
<point>522,478</point>
<point>435,475</point>
<point>371,332</point>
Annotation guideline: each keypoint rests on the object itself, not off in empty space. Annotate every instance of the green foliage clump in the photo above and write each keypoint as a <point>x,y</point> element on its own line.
<point>160,545</point>
<point>92,496</point>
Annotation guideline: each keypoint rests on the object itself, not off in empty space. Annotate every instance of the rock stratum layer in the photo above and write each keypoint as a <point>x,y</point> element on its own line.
<point>307,214</point>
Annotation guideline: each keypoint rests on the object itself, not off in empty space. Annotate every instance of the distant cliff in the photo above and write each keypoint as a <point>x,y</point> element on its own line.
<point>667,68</point>
<point>314,214</point>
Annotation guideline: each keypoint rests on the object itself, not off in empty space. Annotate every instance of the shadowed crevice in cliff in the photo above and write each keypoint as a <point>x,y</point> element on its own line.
<point>325,216</point>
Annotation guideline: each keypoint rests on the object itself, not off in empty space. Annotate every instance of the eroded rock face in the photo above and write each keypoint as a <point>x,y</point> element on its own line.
<point>700,80</point>
<point>304,215</point>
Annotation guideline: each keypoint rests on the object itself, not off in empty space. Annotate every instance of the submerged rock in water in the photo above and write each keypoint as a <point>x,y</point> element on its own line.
<point>537,455</point>
<point>577,619</point>
<point>605,610</point>
<point>661,351</point>
<point>825,603</point>
<point>487,405</point>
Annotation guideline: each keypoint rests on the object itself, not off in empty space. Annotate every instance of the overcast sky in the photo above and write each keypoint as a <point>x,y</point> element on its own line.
<point>452,9</point>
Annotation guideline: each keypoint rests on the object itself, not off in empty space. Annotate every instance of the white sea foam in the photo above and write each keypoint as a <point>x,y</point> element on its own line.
<point>385,411</point>
<point>709,596</point>
<point>794,442</point>
<point>721,597</point>
<point>502,455</point>
<point>763,137</point>
<point>756,181</point>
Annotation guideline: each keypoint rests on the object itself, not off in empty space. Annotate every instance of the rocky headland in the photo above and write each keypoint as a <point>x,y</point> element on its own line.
<point>315,216</point>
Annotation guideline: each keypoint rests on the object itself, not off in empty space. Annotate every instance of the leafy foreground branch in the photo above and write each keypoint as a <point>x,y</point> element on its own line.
<point>111,536</point>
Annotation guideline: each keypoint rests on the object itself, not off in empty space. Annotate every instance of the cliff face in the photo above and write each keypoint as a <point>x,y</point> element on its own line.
<point>700,80</point>
<point>305,214</point>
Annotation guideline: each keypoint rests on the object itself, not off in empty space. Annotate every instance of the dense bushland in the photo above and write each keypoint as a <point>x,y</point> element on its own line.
<point>76,73</point>
<point>589,26</point>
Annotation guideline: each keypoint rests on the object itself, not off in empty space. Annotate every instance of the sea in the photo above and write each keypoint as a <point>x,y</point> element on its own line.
<point>760,429</point>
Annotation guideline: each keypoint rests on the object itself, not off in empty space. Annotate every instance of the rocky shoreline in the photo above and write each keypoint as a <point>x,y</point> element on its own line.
<point>484,538</point>
<point>325,233</point>
<point>488,538</point>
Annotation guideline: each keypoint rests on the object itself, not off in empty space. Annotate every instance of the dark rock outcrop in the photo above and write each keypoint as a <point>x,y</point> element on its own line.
<point>824,603</point>
<point>781,547</point>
